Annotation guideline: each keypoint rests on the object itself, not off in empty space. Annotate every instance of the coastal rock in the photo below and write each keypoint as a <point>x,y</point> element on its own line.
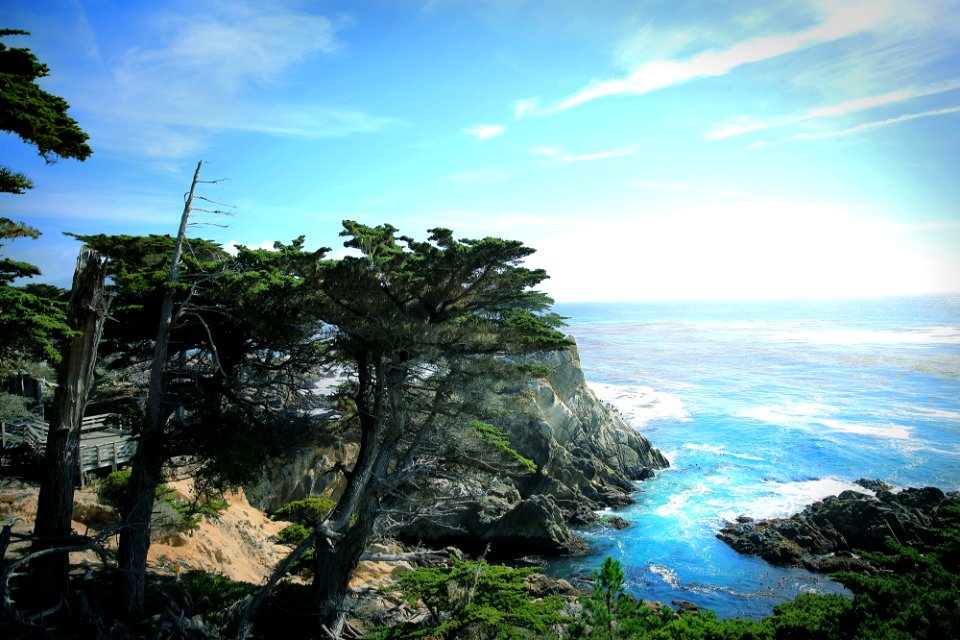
<point>586,451</point>
<point>587,456</point>
<point>824,536</point>
<point>309,473</point>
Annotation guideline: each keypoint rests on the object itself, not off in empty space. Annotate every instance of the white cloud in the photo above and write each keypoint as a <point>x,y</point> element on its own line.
<point>840,22</point>
<point>867,126</point>
<point>546,151</point>
<point>741,124</point>
<point>525,107</point>
<point>231,246</point>
<point>484,131</point>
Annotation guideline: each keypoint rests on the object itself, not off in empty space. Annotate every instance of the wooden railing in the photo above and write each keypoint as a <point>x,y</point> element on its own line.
<point>104,442</point>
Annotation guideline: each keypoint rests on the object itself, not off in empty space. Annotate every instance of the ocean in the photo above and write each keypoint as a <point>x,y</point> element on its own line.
<point>763,408</point>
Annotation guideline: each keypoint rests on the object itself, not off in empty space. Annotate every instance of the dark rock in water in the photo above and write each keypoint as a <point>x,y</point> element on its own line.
<point>825,534</point>
<point>615,522</point>
<point>577,512</point>
<point>874,485</point>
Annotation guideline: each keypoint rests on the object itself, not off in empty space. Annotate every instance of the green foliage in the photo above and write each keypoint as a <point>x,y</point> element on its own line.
<point>32,324</point>
<point>473,599</point>
<point>292,535</point>
<point>32,317</point>
<point>535,370</point>
<point>308,511</point>
<point>498,439</point>
<point>13,406</point>
<point>221,592</point>
<point>813,617</point>
<point>37,117</point>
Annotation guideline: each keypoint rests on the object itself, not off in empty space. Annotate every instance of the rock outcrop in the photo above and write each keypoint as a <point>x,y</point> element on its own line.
<point>824,536</point>
<point>586,452</point>
<point>587,457</point>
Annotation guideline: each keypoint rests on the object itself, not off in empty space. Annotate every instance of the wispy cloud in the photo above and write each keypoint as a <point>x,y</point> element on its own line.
<point>484,131</point>
<point>839,22</point>
<point>742,125</point>
<point>546,151</point>
<point>194,75</point>
<point>570,158</point>
<point>865,127</point>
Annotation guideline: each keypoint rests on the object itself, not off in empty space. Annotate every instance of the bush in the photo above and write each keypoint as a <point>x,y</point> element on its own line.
<point>473,599</point>
<point>308,512</point>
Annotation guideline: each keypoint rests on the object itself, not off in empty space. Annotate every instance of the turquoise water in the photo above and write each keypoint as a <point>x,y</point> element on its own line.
<point>761,409</point>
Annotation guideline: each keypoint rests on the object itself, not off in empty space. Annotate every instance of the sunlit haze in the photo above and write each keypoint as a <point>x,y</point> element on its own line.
<point>646,150</point>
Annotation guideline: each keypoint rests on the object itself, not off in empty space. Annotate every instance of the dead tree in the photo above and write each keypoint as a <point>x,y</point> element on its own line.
<point>86,314</point>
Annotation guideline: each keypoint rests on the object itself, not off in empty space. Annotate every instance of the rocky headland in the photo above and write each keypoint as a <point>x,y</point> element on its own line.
<point>826,535</point>
<point>587,457</point>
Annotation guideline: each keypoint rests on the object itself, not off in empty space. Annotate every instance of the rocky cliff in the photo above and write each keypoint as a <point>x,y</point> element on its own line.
<point>587,457</point>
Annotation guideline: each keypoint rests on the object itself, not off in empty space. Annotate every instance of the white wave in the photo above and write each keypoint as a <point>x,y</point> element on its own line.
<point>812,415</point>
<point>677,504</point>
<point>720,451</point>
<point>926,336</point>
<point>924,412</point>
<point>641,404</point>
<point>782,499</point>
<point>667,575</point>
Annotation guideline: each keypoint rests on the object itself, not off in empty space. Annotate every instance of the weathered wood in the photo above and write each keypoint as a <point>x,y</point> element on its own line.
<point>85,316</point>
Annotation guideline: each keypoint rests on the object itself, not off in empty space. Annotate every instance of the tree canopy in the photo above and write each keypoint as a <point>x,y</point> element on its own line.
<point>31,321</point>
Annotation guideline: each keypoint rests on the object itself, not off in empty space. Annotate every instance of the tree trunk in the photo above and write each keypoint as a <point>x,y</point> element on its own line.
<point>333,567</point>
<point>147,464</point>
<point>85,315</point>
<point>137,511</point>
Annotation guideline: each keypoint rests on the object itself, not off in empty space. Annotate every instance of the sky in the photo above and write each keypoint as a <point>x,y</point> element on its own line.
<point>685,149</point>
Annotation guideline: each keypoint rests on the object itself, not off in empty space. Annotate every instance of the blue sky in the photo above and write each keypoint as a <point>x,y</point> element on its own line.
<point>647,150</point>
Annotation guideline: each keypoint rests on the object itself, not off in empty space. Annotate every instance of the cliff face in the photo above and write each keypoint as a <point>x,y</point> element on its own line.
<point>587,458</point>
<point>585,450</point>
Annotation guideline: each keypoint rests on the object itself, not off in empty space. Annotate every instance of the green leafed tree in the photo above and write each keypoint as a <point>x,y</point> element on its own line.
<point>31,321</point>
<point>416,326</point>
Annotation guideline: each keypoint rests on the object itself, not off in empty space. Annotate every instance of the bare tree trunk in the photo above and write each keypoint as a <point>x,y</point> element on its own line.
<point>85,316</point>
<point>147,464</point>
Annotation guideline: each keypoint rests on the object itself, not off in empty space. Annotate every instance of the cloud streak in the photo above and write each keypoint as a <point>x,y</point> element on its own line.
<point>744,125</point>
<point>840,22</point>
<point>865,127</point>
<point>570,158</point>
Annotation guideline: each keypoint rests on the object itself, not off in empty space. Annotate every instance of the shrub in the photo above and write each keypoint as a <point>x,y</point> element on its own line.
<point>473,599</point>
